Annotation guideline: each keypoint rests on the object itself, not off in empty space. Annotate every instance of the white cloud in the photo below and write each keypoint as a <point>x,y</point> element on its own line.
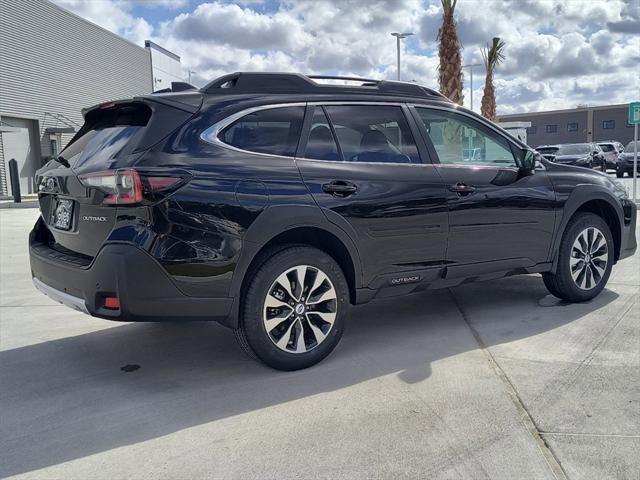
<point>558,52</point>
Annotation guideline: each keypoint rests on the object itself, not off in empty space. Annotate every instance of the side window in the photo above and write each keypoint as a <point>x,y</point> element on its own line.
<point>460,140</point>
<point>275,131</point>
<point>321,144</point>
<point>373,133</point>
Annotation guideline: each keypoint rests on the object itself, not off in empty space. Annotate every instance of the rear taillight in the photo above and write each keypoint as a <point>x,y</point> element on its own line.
<point>128,186</point>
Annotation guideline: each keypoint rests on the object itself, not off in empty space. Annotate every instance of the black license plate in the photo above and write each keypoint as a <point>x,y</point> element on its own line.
<point>62,214</point>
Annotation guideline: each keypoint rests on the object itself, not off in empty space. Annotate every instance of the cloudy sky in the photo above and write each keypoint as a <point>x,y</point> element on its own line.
<point>560,53</point>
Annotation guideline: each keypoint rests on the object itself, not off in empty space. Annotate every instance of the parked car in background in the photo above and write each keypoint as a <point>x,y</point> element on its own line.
<point>272,202</point>
<point>586,155</point>
<point>611,150</point>
<point>624,163</point>
<point>599,160</point>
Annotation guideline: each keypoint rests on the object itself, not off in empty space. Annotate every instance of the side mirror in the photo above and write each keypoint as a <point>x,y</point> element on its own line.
<point>528,162</point>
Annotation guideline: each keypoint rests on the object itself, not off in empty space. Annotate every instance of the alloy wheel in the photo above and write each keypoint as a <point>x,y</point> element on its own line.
<point>300,309</point>
<point>589,258</point>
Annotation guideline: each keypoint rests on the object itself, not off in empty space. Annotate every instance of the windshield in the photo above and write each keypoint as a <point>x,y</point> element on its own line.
<point>629,147</point>
<point>575,149</point>
<point>547,150</point>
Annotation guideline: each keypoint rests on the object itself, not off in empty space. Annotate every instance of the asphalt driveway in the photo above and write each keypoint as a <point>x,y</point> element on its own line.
<point>490,380</point>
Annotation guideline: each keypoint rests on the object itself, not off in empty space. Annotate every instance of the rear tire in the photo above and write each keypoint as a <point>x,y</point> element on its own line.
<point>294,311</point>
<point>585,259</point>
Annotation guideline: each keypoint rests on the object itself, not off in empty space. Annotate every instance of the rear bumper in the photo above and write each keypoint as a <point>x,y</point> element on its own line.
<point>145,290</point>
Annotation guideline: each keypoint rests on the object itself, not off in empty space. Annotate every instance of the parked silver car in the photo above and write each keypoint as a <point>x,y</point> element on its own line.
<point>611,151</point>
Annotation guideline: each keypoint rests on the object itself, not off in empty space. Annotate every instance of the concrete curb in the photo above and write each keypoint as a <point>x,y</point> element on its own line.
<point>27,204</point>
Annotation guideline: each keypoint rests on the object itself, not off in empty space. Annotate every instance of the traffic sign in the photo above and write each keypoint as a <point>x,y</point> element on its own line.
<point>634,113</point>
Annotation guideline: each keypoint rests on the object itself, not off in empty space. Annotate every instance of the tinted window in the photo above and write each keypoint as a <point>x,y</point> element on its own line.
<point>608,124</point>
<point>459,139</point>
<point>572,127</point>
<point>321,144</point>
<point>274,131</point>
<point>552,128</point>
<point>368,133</point>
<point>107,135</point>
<point>607,147</point>
<point>575,149</point>
<point>547,150</point>
<point>532,130</point>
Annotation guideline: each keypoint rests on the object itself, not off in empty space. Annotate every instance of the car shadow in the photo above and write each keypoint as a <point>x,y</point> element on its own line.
<point>69,398</point>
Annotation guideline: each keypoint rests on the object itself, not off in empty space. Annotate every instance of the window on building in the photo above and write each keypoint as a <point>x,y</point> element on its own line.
<point>552,129</point>
<point>572,127</point>
<point>532,130</point>
<point>274,131</point>
<point>608,124</point>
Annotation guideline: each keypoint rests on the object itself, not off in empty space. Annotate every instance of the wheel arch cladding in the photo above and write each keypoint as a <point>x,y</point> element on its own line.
<point>608,213</point>
<point>312,236</point>
<point>599,202</point>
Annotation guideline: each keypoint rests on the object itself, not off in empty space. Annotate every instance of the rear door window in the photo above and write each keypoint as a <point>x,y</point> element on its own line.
<point>373,133</point>
<point>273,131</point>
<point>321,145</point>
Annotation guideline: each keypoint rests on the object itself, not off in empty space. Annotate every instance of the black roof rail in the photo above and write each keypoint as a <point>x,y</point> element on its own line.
<point>292,83</point>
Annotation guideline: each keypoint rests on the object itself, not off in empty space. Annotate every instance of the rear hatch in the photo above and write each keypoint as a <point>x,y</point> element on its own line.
<point>74,189</point>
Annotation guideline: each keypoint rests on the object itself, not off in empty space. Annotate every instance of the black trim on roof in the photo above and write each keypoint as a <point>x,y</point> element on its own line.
<point>296,83</point>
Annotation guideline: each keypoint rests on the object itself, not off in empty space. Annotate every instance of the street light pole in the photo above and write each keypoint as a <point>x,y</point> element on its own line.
<point>470,67</point>
<point>400,36</point>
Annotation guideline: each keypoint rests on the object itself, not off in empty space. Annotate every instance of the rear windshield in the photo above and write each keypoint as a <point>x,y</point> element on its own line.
<point>575,149</point>
<point>107,134</point>
<point>607,147</point>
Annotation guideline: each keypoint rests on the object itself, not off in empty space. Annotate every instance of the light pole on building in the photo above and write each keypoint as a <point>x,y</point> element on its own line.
<point>400,36</point>
<point>470,67</point>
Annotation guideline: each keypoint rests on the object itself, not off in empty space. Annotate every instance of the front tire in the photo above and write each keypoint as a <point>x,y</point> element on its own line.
<point>585,259</point>
<point>294,310</point>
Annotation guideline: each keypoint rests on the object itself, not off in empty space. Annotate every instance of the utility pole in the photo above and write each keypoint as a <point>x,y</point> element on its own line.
<point>400,36</point>
<point>470,67</point>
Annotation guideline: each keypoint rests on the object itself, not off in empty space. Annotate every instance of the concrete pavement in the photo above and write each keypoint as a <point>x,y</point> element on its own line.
<point>490,380</point>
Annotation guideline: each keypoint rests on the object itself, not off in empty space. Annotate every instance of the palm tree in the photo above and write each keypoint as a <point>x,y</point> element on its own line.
<point>450,69</point>
<point>492,56</point>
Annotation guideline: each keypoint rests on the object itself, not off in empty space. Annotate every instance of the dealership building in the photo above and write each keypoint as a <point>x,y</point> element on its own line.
<point>577,125</point>
<point>54,63</point>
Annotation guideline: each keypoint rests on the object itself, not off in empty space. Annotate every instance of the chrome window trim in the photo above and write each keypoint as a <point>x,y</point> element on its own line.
<point>210,135</point>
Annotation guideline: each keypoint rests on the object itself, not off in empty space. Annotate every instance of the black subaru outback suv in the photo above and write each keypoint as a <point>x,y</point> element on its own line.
<point>271,202</point>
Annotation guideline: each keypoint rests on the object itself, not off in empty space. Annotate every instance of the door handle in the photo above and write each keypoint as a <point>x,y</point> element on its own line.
<point>462,189</point>
<point>339,188</point>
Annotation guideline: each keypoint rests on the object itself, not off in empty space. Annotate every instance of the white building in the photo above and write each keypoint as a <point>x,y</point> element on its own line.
<point>54,63</point>
<point>166,66</point>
